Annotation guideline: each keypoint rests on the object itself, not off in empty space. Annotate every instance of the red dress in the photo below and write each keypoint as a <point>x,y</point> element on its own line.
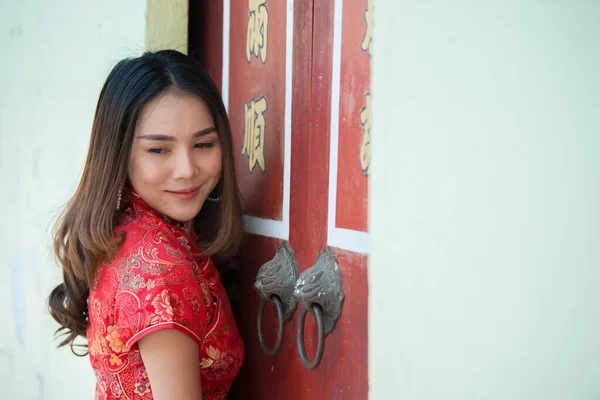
<point>158,280</point>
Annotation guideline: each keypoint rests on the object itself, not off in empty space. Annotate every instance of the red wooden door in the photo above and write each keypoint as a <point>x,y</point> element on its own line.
<point>295,78</point>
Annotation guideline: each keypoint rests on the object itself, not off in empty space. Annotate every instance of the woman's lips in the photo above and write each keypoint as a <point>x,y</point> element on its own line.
<point>185,194</point>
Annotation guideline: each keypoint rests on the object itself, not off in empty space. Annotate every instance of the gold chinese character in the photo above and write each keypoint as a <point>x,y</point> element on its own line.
<point>256,35</point>
<point>365,143</point>
<point>367,41</point>
<point>254,133</point>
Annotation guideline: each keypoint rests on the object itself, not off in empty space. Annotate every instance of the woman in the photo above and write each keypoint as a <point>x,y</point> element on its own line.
<point>157,201</point>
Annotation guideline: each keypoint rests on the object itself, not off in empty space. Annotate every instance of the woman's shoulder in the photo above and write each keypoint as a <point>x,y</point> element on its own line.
<point>149,248</point>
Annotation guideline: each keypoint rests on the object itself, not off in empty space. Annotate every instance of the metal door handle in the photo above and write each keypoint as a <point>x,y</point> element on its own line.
<point>275,282</point>
<point>319,291</point>
<point>318,316</point>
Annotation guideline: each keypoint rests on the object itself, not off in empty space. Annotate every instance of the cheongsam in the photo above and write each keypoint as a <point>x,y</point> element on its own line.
<point>158,279</point>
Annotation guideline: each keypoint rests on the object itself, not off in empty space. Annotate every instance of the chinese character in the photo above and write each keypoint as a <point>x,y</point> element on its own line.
<point>365,143</point>
<point>368,39</point>
<point>254,133</point>
<point>256,36</point>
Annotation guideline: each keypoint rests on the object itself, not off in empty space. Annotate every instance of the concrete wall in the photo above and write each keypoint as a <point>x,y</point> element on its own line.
<point>485,201</point>
<point>54,57</point>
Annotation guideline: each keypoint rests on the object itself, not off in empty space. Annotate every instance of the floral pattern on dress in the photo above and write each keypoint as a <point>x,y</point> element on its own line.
<point>158,280</point>
<point>114,339</point>
<point>167,307</point>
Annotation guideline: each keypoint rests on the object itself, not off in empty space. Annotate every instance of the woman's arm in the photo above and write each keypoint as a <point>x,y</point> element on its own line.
<point>173,366</point>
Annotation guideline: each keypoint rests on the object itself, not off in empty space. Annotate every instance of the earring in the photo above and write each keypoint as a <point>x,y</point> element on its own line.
<point>119,198</point>
<point>218,198</point>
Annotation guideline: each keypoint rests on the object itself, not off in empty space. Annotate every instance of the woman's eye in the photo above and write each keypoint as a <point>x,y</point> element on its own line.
<point>157,150</point>
<point>204,145</point>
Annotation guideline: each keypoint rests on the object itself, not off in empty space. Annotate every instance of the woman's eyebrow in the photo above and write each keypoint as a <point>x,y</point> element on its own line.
<point>156,137</point>
<point>166,138</point>
<point>204,132</point>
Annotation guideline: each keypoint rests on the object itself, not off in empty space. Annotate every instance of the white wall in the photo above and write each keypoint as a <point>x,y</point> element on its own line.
<point>54,57</point>
<point>485,201</point>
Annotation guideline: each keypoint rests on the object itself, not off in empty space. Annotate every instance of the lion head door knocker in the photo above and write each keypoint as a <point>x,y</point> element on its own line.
<point>319,291</point>
<point>275,282</point>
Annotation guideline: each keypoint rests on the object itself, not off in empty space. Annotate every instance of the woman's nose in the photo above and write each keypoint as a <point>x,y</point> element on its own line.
<point>184,166</point>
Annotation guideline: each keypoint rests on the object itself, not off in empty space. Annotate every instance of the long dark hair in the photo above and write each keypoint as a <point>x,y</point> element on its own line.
<point>84,232</point>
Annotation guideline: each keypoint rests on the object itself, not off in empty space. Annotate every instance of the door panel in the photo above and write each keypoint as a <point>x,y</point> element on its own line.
<point>310,186</point>
<point>354,123</point>
<point>262,377</point>
<point>257,88</point>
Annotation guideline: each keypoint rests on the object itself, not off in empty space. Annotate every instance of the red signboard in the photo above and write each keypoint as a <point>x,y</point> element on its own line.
<point>257,102</point>
<point>354,123</point>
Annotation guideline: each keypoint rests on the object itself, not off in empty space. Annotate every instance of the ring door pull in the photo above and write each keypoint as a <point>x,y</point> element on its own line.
<point>275,282</point>
<point>319,291</point>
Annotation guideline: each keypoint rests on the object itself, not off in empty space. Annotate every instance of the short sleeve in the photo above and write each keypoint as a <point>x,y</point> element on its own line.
<point>158,289</point>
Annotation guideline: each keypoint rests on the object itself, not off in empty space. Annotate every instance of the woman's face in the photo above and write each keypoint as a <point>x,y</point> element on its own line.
<point>175,160</point>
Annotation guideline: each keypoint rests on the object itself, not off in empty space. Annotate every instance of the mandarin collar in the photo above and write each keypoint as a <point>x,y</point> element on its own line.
<point>138,204</point>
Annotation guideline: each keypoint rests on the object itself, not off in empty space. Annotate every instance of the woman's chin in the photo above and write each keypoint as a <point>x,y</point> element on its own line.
<point>183,215</point>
